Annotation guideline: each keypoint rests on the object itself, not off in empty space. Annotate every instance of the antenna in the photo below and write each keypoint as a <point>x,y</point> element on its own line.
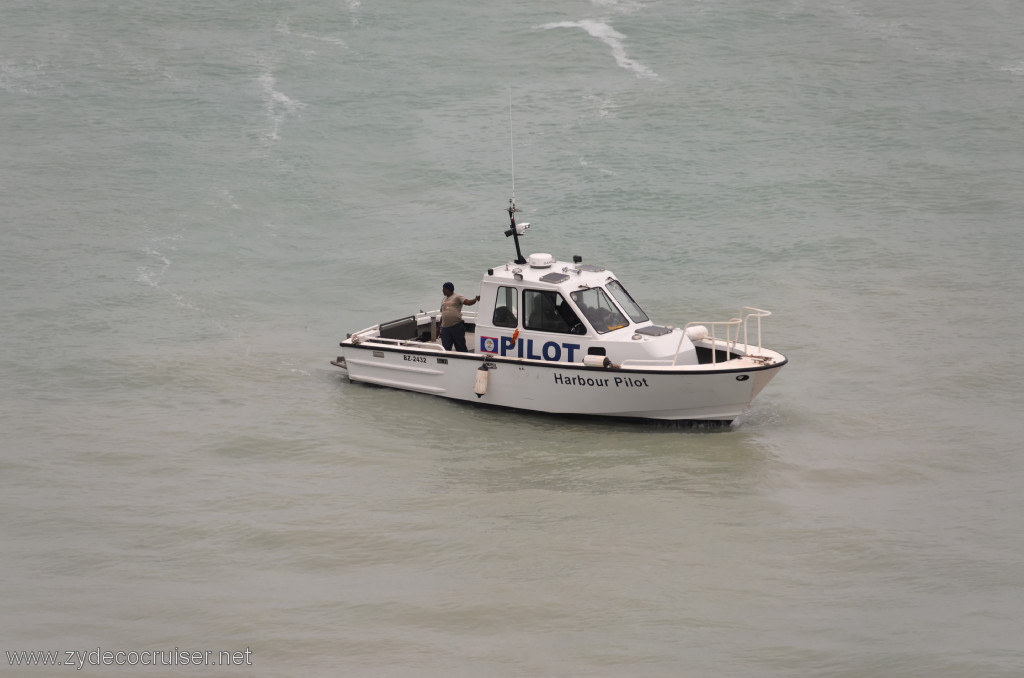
<point>511,144</point>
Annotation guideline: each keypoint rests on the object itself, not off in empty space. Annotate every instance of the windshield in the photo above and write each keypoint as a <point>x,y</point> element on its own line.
<point>631,308</point>
<point>599,309</point>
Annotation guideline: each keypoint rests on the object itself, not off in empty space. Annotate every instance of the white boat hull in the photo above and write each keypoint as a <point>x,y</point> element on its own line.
<point>709,392</point>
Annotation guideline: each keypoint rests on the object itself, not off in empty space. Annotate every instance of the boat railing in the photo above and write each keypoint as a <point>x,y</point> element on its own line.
<point>399,343</point>
<point>727,332</point>
<point>408,326</point>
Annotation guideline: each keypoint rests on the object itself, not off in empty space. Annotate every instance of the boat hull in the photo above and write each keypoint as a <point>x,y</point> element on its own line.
<point>718,393</point>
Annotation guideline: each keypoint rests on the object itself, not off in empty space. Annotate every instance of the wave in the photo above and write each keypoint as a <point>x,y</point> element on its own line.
<point>284,29</point>
<point>150,275</point>
<point>610,37</point>
<point>278,105</point>
<point>620,6</point>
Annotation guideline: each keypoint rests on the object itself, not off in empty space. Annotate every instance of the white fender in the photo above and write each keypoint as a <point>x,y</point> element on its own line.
<point>481,381</point>
<point>696,332</point>
<point>596,361</point>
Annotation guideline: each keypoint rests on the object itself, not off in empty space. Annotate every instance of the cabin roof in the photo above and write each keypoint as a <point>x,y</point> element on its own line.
<point>542,270</point>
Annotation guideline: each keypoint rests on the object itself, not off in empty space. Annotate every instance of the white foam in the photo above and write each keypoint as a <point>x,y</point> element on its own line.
<point>325,38</point>
<point>586,163</point>
<point>278,105</point>
<point>231,199</point>
<point>610,37</point>
<point>283,28</point>
<point>153,276</point>
<point>605,106</point>
<point>621,6</point>
<point>17,78</point>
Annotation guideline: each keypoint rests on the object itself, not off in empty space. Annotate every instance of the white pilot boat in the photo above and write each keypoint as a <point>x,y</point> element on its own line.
<point>567,338</point>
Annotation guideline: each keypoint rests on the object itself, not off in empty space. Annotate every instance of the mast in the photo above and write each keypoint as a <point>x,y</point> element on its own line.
<point>513,230</point>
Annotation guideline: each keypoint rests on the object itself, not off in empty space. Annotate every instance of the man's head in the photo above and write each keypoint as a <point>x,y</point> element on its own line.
<point>447,288</point>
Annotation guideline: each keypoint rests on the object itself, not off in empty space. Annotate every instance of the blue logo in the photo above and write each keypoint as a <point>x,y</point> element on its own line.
<point>551,351</point>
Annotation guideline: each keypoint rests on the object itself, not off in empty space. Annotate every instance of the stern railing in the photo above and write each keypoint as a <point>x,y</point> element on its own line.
<point>368,336</point>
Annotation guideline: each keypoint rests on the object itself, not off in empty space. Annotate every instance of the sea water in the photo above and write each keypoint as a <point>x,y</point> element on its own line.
<point>201,199</point>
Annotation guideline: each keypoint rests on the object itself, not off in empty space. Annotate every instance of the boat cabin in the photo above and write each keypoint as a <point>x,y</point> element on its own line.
<point>558,311</point>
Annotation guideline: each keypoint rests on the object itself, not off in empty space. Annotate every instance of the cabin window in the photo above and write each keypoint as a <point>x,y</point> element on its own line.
<point>548,311</point>
<point>631,308</point>
<point>506,308</point>
<point>599,309</point>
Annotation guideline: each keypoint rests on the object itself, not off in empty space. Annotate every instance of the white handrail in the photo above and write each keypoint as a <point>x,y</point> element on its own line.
<point>409,343</point>
<point>752,312</point>
<point>731,338</point>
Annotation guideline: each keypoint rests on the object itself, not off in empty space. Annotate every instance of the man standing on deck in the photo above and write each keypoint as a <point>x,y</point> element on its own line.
<point>453,330</point>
